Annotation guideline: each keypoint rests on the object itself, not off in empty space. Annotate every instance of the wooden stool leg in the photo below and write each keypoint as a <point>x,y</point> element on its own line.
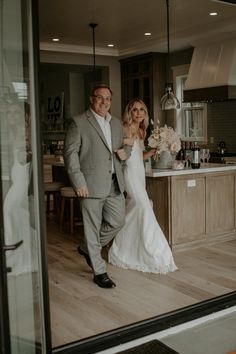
<point>48,204</point>
<point>54,202</point>
<point>62,212</point>
<point>71,216</point>
<point>57,206</point>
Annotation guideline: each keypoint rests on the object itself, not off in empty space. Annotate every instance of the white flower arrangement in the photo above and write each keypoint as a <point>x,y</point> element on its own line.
<point>165,139</point>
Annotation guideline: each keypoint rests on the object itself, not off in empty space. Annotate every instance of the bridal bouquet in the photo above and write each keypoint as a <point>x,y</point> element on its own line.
<point>164,139</point>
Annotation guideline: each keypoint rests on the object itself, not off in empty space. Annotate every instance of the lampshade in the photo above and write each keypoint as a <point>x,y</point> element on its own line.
<point>169,100</point>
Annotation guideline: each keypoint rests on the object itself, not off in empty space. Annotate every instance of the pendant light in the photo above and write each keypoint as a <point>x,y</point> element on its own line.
<point>169,100</point>
<point>93,26</point>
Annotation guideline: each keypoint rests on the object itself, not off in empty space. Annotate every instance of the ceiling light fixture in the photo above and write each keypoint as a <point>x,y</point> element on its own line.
<point>93,26</point>
<point>213,13</point>
<point>56,40</point>
<point>147,34</point>
<point>169,100</point>
<point>110,45</point>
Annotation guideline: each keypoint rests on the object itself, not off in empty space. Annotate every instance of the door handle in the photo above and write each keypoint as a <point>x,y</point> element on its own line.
<point>12,247</point>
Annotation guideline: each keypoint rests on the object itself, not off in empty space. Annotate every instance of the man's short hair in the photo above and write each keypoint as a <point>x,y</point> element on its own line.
<point>100,86</point>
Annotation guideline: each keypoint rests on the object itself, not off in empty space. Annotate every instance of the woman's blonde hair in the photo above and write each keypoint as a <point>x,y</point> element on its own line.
<point>127,117</point>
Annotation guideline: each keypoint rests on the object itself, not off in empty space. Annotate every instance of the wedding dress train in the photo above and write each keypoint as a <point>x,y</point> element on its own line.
<point>141,244</point>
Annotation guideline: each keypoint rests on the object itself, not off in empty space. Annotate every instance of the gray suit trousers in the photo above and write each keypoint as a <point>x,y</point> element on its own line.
<point>102,219</point>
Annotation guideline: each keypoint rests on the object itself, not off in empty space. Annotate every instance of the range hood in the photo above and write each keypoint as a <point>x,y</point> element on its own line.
<point>212,73</point>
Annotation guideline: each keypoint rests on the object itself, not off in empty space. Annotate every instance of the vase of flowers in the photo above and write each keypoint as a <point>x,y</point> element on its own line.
<point>167,142</point>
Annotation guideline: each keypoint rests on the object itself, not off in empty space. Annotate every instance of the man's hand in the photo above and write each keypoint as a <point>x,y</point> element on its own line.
<point>121,154</point>
<point>82,192</point>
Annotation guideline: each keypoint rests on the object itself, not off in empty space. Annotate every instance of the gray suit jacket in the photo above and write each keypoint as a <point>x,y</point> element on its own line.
<point>87,157</point>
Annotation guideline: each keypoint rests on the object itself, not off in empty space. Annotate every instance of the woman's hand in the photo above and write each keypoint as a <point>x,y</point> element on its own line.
<point>149,153</point>
<point>128,141</point>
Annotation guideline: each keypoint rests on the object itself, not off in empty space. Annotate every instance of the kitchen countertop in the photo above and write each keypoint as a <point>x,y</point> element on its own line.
<point>207,167</point>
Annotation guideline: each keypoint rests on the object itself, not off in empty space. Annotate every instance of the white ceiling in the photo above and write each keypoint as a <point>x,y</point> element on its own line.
<point>123,23</point>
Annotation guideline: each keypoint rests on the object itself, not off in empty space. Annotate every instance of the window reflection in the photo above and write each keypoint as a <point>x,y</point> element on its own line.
<point>18,222</point>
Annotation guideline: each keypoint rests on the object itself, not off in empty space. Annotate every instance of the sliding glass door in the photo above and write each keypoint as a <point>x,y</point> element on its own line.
<point>23,289</point>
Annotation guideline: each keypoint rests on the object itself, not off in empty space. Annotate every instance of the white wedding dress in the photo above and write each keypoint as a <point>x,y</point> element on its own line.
<point>140,244</point>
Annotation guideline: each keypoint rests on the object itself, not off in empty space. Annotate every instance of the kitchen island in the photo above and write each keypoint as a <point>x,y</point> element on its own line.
<point>194,206</point>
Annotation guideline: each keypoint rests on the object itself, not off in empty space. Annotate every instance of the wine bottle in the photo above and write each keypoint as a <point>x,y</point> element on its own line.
<point>187,154</point>
<point>195,162</point>
<point>180,154</point>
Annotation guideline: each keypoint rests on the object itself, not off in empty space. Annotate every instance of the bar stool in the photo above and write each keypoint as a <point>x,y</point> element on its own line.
<point>69,196</point>
<point>52,189</point>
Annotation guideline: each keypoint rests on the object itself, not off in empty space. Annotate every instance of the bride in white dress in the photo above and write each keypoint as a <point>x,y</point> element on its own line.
<point>141,244</point>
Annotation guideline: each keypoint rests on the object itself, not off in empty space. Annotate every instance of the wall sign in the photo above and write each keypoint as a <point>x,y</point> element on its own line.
<point>55,112</point>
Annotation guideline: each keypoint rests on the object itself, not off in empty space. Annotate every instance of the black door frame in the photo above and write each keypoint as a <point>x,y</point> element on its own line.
<point>42,221</point>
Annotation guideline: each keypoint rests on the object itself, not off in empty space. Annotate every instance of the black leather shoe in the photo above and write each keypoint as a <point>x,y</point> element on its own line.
<point>103,281</point>
<point>86,256</point>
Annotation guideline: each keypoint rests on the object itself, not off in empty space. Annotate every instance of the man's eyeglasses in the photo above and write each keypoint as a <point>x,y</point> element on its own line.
<point>102,98</point>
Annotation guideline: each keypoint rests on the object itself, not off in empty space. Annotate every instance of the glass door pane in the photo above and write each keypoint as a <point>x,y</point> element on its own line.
<point>21,230</point>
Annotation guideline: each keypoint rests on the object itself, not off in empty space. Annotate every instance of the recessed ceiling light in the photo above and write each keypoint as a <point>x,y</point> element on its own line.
<point>147,34</point>
<point>213,13</point>
<point>110,45</point>
<point>56,40</point>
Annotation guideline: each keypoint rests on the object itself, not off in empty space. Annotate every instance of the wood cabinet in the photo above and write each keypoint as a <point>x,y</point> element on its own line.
<point>195,208</point>
<point>158,192</point>
<point>220,201</point>
<point>188,208</point>
<point>143,76</point>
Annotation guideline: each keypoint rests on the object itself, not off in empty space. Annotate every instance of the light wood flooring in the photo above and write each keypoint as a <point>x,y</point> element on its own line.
<point>80,309</point>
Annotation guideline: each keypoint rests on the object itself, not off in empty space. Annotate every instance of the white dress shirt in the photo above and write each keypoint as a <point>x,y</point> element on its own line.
<point>104,123</point>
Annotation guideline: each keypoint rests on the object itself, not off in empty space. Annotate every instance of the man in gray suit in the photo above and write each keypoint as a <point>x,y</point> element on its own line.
<point>93,157</point>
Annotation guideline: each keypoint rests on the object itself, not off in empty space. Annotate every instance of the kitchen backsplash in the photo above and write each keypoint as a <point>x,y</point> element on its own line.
<point>221,118</point>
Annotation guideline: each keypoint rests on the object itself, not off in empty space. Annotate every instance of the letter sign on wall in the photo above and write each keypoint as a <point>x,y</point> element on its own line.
<point>55,112</point>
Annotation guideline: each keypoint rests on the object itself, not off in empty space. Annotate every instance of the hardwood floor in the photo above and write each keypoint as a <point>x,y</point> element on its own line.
<point>80,309</point>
